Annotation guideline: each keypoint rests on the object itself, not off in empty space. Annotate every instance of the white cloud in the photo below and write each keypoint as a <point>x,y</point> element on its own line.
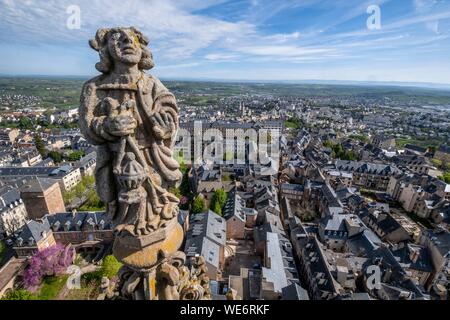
<point>171,27</point>
<point>185,38</point>
<point>221,57</point>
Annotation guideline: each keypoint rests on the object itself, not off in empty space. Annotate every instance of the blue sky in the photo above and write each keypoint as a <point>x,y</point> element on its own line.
<point>238,39</point>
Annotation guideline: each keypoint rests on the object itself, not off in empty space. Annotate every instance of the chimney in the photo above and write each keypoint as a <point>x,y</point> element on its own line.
<point>342,272</point>
<point>414,255</point>
<point>387,276</point>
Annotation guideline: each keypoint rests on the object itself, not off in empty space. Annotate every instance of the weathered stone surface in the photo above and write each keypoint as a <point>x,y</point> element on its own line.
<point>133,119</point>
<point>129,252</point>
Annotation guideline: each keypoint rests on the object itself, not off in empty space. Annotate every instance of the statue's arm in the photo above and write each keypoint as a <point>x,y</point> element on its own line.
<point>166,109</point>
<point>92,126</point>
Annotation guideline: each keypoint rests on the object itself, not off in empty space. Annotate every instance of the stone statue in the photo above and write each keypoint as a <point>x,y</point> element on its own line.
<point>133,120</point>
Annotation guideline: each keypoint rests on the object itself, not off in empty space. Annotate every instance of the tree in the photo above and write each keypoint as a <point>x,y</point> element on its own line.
<point>218,201</point>
<point>2,250</point>
<point>39,144</point>
<point>53,260</point>
<point>25,123</point>
<point>56,156</point>
<point>93,202</point>
<point>221,196</point>
<point>110,266</point>
<point>217,208</point>
<point>185,187</point>
<point>18,294</point>
<point>436,162</point>
<point>199,204</point>
<point>183,168</point>
<point>75,156</point>
<point>446,177</point>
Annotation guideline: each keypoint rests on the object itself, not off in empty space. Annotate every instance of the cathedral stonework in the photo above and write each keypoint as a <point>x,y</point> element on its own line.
<point>132,118</point>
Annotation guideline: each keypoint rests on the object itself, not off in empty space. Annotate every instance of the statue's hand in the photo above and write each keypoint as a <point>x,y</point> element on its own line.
<point>121,125</point>
<point>163,126</point>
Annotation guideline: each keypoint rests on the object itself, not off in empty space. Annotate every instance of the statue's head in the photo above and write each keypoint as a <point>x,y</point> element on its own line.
<point>125,45</point>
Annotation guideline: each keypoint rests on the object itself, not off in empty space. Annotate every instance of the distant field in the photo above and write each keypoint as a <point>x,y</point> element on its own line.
<point>55,92</point>
<point>63,92</point>
<point>425,143</point>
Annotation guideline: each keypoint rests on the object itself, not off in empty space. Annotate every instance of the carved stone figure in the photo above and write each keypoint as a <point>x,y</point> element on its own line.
<point>133,120</point>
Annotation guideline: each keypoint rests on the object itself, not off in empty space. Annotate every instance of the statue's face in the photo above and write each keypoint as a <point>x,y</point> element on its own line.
<point>124,46</point>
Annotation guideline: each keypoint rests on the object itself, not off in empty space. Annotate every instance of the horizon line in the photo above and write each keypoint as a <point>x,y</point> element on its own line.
<point>389,83</point>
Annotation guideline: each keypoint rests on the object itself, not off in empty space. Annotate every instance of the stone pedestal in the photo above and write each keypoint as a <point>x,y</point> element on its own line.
<point>142,258</point>
<point>143,252</point>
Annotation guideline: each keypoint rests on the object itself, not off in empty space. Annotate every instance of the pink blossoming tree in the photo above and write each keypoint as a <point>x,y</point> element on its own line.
<point>48,262</point>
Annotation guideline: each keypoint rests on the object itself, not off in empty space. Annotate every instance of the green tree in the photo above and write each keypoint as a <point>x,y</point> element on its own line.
<point>183,167</point>
<point>221,196</point>
<point>110,266</point>
<point>25,123</point>
<point>93,202</point>
<point>217,208</point>
<point>185,187</point>
<point>218,201</point>
<point>18,294</point>
<point>56,156</point>
<point>436,162</point>
<point>199,204</point>
<point>328,144</point>
<point>2,251</point>
<point>39,144</point>
<point>446,177</point>
<point>75,156</point>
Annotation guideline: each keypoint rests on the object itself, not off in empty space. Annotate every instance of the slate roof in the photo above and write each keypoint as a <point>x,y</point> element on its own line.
<point>38,185</point>
<point>440,239</point>
<point>33,230</point>
<point>206,224</point>
<point>279,253</point>
<point>294,292</point>
<point>384,221</point>
<point>415,148</point>
<point>292,187</point>
<point>86,160</point>
<point>366,167</point>
<point>363,243</point>
<point>68,221</point>
<point>234,207</point>
<point>9,196</point>
<point>35,171</point>
<point>423,262</point>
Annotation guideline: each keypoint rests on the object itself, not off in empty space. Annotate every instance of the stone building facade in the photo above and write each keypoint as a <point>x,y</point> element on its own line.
<point>41,197</point>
